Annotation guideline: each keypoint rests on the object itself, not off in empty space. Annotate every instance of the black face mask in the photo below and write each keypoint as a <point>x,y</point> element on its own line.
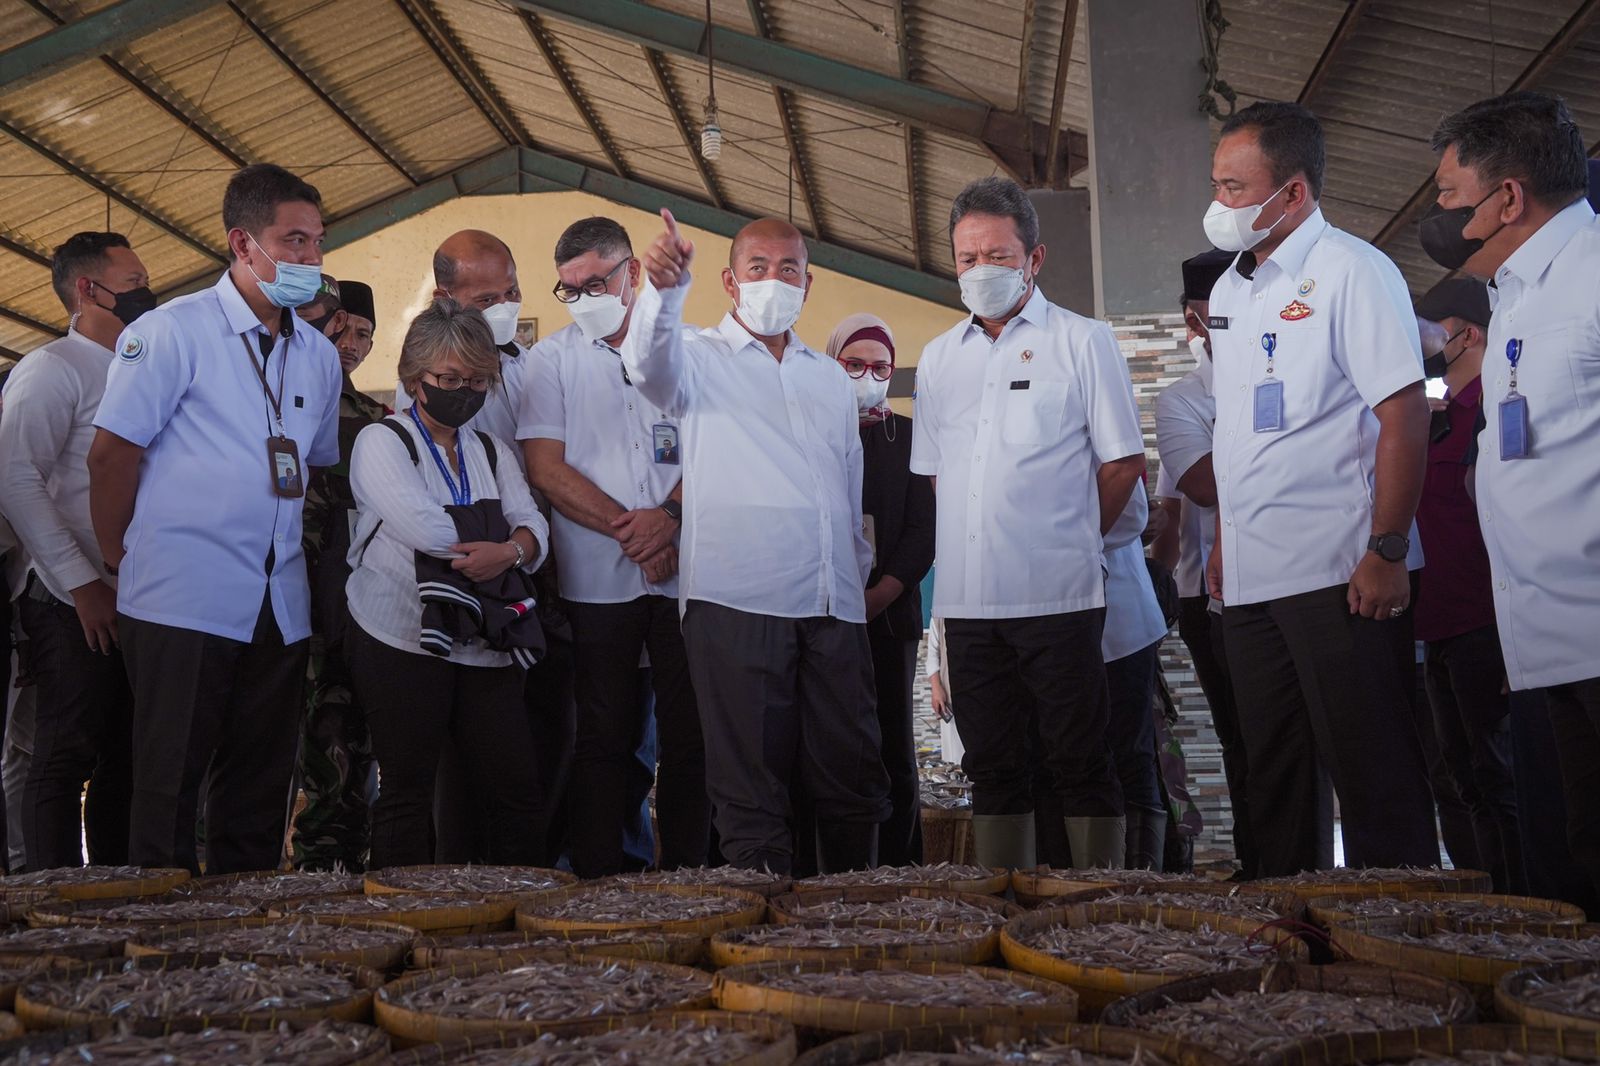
<point>1435,365</point>
<point>1442,234</point>
<point>128,306</point>
<point>321,324</point>
<point>453,408</point>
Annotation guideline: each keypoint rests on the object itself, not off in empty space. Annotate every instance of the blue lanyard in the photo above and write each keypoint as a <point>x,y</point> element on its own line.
<point>463,495</point>
<point>1269,344</point>
<point>1513,356</point>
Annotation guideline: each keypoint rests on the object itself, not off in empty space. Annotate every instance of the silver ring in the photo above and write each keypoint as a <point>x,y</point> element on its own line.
<point>1396,612</point>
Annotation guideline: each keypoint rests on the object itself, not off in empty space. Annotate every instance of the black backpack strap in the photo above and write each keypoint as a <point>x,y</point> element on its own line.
<point>490,452</point>
<point>405,436</point>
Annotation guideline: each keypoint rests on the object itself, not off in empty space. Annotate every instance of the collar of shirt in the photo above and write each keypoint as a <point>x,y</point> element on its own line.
<point>1290,256</point>
<point>243,320</point>
<point>1528,263</point>
<point>738,338</point>
<point>1469,396</point>
<point>1035,311</point>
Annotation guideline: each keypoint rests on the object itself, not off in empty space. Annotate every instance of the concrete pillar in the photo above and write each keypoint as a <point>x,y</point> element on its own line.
<point>1064,227</point>
<point>1149,151</point>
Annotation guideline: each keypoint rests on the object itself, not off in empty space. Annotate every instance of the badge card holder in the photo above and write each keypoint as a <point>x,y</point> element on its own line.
<point>283,454</point>
<point>1514,411</point>
<point>664,440</point>
<point>1267,414</point>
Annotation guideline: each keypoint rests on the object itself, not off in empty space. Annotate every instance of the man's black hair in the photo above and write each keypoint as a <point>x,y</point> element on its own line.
<point>254,193</point>
<point>1528,136</point>
<point>1290,137</point>
<point>80,254</point>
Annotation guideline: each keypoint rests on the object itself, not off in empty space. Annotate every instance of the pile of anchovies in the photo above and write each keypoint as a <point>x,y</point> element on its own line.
<point>1358,875</point>
<point>1495,1058</point>
<point>1244,904</point>
<point>851,936</point>
<point>1249,1024</point>
<point>1467,909</point>
<point>932,874</point>
<point>632,905</point>
<point>964,988</point>
<point>914,907</point>
<point>1570,995</point>
<point>483,880</point>
<point>43,940</point>
<point>322,1044</point>
<point>1044,1052</point>
<point>73,875</point>
<point>716,876</point>
<point>1526,948</point>
<point>552,990</point>
<point>278,938</point>
<point>1147,947</point>
<point>228,987</point>
<point>1104,876</point>
<point>686,1044</point>
<point>165,909</point>
<point>273,889</point>
<point>374,906</point>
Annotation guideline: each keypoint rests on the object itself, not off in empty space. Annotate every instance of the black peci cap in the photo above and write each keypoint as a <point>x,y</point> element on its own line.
<point>1202,272</point>
<point>1463,298</point>
<point>357,297</point>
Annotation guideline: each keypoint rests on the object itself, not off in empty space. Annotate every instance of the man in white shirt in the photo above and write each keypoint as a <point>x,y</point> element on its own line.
<point>216,406</point>
<point>594,448</point>
<point>1025,418</point>
<point>69,608</point>
<point>1511,208</point>
<point>773,552</point>
<point>1320,444</point>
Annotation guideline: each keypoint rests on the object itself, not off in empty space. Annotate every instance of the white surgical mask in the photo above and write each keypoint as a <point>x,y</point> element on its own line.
<point>502,319</point>
<point>1197,348</point>
<point>598,317</point>
<point>990,291</point>
<point>768,308</point>
<point>870,392</point>
<point>1232,229</point>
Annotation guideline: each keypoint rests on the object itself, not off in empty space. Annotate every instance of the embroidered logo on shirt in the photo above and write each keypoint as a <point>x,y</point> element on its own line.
<point>132,349</point>
<point>1306,286</point>
<point>1027,355</point>
<point>1295,312</point>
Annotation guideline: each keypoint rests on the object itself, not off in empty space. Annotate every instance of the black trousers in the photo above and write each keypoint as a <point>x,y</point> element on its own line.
<point>607,639</point>
<point>83,731</point>
<point>783,699</point>
<point>413,702</point>
<point>1317,685</point>
<point>1455,820</point>
<point>1044,676</point>
<point>894,671</point>
<point>1131,727</point>
<point>1542,806</point>
<point>1575,719</point>
<point>1201,631</point>
<point>202,701</point>
<point>1471,719</point>
<point>549,697</point>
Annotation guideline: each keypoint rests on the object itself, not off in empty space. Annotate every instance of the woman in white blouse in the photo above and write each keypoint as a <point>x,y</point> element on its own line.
<point>415,697</point>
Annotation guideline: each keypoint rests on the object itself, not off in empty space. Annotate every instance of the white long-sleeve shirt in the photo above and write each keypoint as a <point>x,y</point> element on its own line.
<point>45,433</point>
<point>771,464</point>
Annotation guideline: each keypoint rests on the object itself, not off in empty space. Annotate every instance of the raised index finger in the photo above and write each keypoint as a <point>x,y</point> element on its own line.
<point>672,223</point>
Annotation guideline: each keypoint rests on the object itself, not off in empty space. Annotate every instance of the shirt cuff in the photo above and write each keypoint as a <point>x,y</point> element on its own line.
<point>1122,449</point>
<point>542,433</point>
<point>125,429</point>
<point>926,469</point>
<point>73,573</point>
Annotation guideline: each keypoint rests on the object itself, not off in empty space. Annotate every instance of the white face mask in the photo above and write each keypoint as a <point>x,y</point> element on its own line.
<point>769,308</point>
<point>1198,349</point>
<point>502,319</point>
<point>870,392</point>
<point>1232,229</point>
<point>990,291</point>
<point>598,317</point>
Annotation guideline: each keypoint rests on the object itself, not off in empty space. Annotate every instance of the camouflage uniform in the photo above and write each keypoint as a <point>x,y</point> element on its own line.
<point>335,751</point>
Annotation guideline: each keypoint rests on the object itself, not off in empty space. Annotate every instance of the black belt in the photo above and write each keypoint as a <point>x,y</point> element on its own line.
<point>39,594</point>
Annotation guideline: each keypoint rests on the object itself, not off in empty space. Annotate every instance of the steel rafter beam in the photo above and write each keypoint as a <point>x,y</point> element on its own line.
<point>1571,33</point>
<point>106,189</point>
<point>1005,133</point>
<point>580,103</point>
<point>89,37</point>
<point>1069,28</point>
<point>780,99</point>
<point>18,248</point>
<point>459,62</point>
<point>903,52</point>
<point>1341,34</point>
<point>1030,18</point>
<point>669,96</point>
<point>32,323</point>
<point>260,33</point>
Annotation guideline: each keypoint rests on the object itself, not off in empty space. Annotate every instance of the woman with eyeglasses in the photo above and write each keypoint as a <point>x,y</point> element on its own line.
<point>447,538</point>
<point>898,508</point>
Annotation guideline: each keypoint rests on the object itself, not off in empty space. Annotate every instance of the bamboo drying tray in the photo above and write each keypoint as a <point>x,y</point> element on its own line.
<point>747,908</point>
<point>1089,1039</point>
<point>778,1034</point>
<point>969,945</point>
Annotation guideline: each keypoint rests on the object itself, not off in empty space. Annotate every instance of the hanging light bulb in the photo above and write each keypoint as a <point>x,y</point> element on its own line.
<point>711,135</point>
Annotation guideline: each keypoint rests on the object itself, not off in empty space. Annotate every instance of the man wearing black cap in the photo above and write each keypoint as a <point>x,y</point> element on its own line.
<point>335,756</point>
<point>1455,602</point>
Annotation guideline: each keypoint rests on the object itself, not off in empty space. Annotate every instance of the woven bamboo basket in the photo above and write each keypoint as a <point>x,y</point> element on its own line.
<point>382,958</point>
<point>783,908</point>
<point>684,949</point>
<point>1310,885</point>
<point>1090,1039</point>
<point>947,834</point>
<point>81,943</point>
<point>1045,884</point>
<point>1098,986</point>
<point>40,1015</point>
<point>1327,910</point>
<point>533,916</point>
<point>1286,905</point>
<point>10,1027</point>
<point>992,883</point>
<point>17,970</point>
<point>1454,1004</point>
<point>762,884</point>
<point>149,882</point>
<point>372,1050</point>
<point>92,911</point>
<point>1356,1049</point>
<point>740,988</point>
<point>1381,941</point>
<point>394,880</point>
<point>969,945</point>
<point>15,905</point>
<point>778,1034</point>
<point>409,1027</point>
<point>458,915</point>
<point>1512,1006</point>
<point>257,884</point>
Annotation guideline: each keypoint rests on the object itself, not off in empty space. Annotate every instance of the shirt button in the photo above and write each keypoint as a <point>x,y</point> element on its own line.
<point>1501,585</point>
<point>279,538</point>
<point>1227,521</point>
<point>635,445</point>
<point>986,421</point>
<point>974,536</point>
<point>1224,477</point>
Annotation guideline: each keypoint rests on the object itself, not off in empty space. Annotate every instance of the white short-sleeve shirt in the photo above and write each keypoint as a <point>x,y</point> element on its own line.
<point>1014,429</point>
<point>183,388</point>
<point>1540,515</point>
<point>1133,614</point>
<point>1296,504</point>
<point>1185,413</point>
<point>579,394</point>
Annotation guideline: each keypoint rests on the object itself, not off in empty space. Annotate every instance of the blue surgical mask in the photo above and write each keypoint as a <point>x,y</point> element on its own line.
<point>295,285</point>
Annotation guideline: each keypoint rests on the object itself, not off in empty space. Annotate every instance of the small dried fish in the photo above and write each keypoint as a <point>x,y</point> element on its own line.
<point>718,876</point>
<point>1578,995</point>
<point>73,875</point>
<point>166,910</point>
<point>913,907</point>
<point>964,988</point>
<point>1247,904</point>
<point>478,880</point>
<point>1360,875</point>
<point>1497,1058</point>
<point>1251,1024</point>
<point>624,905</point>
<point>1105,876</point>
<point>1528,948</point>
<point>1466,909</point>
<point>660,1044</point>
<point>42,940</point>
<point>552,990</point>
<point>1147,947</point>
<point>518,941</point>
<point>273,889</point>
<point>228,987</point>
<point>322,1044</point>
<point>371,906</point>
<point>1043,1052</point>
<point>850,936</point>
<point>932,874</point>
<point>279,938</point>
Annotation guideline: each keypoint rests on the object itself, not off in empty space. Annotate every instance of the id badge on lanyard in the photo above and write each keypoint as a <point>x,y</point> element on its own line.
<point>283,454</point>
<point>1514,430</point>
<point>1267,408</point>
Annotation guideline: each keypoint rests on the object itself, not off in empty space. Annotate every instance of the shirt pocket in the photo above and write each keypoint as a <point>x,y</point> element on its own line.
<point>1582,343</point>
<point>1036,414</point>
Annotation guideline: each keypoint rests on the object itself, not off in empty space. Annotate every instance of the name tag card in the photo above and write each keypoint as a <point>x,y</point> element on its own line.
<point>1268,407</point>
<point>284,456</point>
<point>1514,427</point>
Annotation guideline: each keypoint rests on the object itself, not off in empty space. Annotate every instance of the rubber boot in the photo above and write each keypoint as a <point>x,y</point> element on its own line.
<point>1146,838</point>
<point>1004,841</point>
<point>845,846</point>
<point>1097,843</point>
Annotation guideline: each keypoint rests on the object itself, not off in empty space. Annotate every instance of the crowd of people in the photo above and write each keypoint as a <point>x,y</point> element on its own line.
<point>486,623</point>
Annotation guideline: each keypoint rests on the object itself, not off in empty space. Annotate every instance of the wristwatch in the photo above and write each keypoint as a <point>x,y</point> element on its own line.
<point>1391,547</point>
<point>674,509</point>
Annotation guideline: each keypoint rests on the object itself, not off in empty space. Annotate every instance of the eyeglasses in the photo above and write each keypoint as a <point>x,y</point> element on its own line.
<point>858,368</point>
<point>567,294</point>
<point>452,382</point>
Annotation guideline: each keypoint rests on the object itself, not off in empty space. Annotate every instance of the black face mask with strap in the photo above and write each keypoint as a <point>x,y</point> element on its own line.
<point>451,407</point>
